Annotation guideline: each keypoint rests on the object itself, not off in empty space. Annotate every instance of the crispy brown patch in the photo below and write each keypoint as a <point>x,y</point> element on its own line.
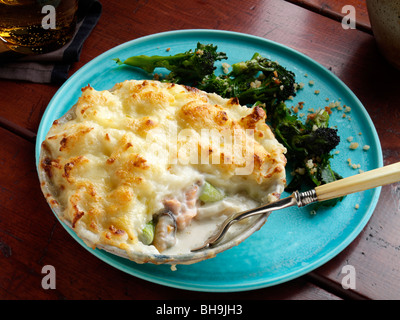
<point>250,121</point>
<point>233,101</point>
<point>70,165</point>
<point>139,162</point>
<point>66,141</point>
<point>192,89</point>
<point>47,164</point>
<point>77,216</point>
<point>110,160</point>
<point>116,231</point>
<point>221,117</point>
<point>88,87</point>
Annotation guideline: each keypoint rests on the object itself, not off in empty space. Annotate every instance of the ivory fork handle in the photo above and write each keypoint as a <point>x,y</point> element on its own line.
<point>359,182</point>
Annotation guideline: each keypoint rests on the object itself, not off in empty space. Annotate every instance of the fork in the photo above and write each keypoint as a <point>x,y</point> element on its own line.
<point>359,182</point>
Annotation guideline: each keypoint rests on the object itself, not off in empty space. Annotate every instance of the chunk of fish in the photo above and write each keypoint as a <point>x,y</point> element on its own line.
<point>186,209</point>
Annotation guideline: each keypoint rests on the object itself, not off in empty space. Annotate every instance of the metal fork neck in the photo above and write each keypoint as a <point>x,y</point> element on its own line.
<point>305,198</point>
<point>296,198</point>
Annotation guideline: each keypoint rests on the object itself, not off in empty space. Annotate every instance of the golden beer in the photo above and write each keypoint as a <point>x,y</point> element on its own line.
<point>37,26</point>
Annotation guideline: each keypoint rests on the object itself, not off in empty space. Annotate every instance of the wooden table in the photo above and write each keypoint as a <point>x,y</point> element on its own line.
<point>30,236</point>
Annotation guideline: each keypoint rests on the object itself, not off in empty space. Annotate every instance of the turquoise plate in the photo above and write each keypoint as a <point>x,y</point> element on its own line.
<point>293,242</point>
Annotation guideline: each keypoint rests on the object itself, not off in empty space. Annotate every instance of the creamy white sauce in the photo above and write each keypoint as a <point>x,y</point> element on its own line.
<point>209,217</point>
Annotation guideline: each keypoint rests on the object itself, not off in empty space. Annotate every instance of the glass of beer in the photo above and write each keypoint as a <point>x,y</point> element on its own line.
<point>37,26</point>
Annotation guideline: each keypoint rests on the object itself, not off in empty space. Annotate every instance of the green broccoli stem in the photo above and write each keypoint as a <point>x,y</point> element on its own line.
<point>188,67</point>
<point>150,63</point>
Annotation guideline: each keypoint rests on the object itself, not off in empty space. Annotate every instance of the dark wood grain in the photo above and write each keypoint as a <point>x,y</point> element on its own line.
<point>375,253</point>
<point>31,237</point>
<point>335,9</point>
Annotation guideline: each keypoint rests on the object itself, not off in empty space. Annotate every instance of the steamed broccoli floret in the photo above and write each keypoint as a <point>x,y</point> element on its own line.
<point>217,84</point>
<point>318,142</point>
<point>188,67</point>
<point>258,79</point>
<point>313,138</point>
<point>269,80</point>
<point>318,139</point>
<point>308,146</point>
<point>318,119</point>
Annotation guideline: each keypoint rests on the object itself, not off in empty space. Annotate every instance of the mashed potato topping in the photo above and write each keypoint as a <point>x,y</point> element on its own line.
<point>143,151</point>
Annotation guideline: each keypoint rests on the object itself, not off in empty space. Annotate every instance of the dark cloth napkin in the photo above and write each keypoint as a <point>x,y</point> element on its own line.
<point>53,67</point>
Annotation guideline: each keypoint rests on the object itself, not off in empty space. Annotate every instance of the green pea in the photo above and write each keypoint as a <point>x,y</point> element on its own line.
<point>209,193</point>
<point>147,235</point>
